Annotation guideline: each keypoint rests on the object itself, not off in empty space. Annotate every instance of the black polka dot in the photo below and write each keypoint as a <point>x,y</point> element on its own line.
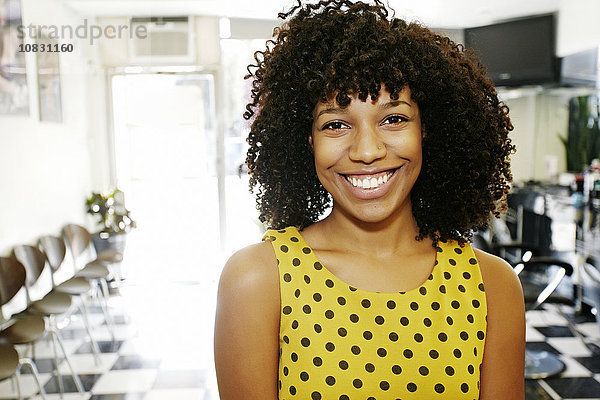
<point>296,262</point>
<point>427,322</point>
<point>305,342</point>
<point>442,337</point>
<point>381,352</point>
<point>344,397</point>
<point>292,390</point>
<point>306,309</point>
<point>329,346</point>
<point>295,324</point>
<point>393,336</point>
<point>366,303</point>
<point>315,396</point>
<point>480,335</point>
<point>329,314</point>
<point>404,321</point>
<point>342,332</point>
<point>439,249</point>
<point>297,293</point>
<point>430,277</point>
<point>304,376</point>
<point>435,306</point>
<point>286,371</point>
<point>318,361</point>
<point>449,370</point>
<point>466,275</point>
<point>455,304</point>
<point>443,289</point>
<point>284,248</point>
<point>352,288</point>
<point>418,337</point>
<point>286,339</point>
<point>471,369</point>
<point>294,239</point>
<point>355,350</point>
<point>423,370</point>
<point>481,287</point>
<point>357,383</point>
<point>384,385</point>
<point>379,320</point>
<point>329,283</point>
<point>475,351</point>
<point>414,306</point>
<point>452,261</point>
<point>439,388</point>
<point>423,290</point>
<point>464,388</point>
<point>287,277</point>
<point>306,278</point>
<point>457,353</point>
<point>317,297</point>
<point>272,238</point>
<point>318,328</point>
<point>330,380</point>
<point>411,387</point>
<point>470,318</point>
<point>341,301</point>
<point>391,304</point>
<point>294,357</point>
<point>475,303</point>
<point>472,261</point>
<point>287,310</point>
<point>464,335</point>
<point>461,288</point>
<point>458,250</point>
<point>447,275</point>
<point>281,231</point>
<point>408,353</point>
<point>306,250</point>
<point>318,266</point>
<point>434,354</point>
<point>343,365</point>
<point>369,367</point>
<point>397,370</point>
<point>449,320</point>
<point>354,318</point>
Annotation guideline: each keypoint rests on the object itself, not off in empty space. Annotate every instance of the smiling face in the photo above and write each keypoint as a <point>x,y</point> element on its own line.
<point>368,154</point>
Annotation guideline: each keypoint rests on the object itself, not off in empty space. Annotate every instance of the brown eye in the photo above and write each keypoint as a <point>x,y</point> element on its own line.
<point>394,119</point>
<point>335,125</point>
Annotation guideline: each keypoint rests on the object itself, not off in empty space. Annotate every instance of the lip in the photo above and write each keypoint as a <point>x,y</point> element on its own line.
<point>368,194</point>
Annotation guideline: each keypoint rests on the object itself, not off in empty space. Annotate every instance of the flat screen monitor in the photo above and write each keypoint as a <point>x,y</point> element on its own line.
<point>519,52</point>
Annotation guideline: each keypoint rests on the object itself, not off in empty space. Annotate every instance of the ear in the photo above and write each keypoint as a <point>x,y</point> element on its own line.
<point>310,141</point>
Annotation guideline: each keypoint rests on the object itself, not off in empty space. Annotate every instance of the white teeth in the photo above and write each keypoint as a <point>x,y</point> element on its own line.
<point>369,183</point>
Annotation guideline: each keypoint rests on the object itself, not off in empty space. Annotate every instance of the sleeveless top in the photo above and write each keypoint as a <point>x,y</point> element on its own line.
<point>338,342</point>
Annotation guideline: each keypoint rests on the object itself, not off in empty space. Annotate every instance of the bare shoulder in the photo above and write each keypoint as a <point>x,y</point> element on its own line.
<point>253,268</point>
<point>247,325</point>
<point>499,278</point>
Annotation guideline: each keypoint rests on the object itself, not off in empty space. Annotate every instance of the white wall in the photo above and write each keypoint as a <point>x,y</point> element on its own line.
<point>47,169</point>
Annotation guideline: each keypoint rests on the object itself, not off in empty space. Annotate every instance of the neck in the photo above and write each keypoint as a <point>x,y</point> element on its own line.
<point>394,235</point>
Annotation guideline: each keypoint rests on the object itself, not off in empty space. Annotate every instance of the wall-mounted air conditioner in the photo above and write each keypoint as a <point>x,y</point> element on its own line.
<point>162,40</point>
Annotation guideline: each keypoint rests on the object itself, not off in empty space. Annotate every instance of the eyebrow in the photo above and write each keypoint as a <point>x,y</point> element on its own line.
<point>385,106</point>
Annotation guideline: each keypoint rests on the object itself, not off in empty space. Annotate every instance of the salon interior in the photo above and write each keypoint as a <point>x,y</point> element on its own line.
<point>124,190</point>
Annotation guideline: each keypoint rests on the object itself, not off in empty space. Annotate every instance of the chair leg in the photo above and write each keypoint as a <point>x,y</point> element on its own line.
<point>76,379</point>
<point>575,332</point>
<point>59,380</point>
<point>86,322</point>
<point>35,373</point>
<point>17,381</point>
<point>105,309</point>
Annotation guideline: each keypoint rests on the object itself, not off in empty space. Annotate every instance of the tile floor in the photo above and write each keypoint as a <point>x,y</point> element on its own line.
<point>163,350</point>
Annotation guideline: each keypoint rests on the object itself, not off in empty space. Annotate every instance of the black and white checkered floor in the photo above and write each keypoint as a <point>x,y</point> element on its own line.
<point>164,351</point>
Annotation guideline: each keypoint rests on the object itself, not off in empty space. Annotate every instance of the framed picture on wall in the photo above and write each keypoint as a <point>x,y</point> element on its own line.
<point>14,96</point>
<point>48,70</point>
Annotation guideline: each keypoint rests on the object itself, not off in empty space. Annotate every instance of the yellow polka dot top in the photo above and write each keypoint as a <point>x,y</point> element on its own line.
<point>338,342</point>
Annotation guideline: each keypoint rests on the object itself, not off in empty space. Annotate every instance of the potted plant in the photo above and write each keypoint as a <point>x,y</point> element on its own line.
<point>113,220</point>
<point>582,144</point>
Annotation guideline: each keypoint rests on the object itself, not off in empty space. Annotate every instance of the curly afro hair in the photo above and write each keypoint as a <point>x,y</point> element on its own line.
<point>339,48</point>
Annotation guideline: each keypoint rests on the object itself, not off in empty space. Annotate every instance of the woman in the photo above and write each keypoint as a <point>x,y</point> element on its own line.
<point>384,298</point>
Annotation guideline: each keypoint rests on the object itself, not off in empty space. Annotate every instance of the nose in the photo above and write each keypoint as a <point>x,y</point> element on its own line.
<point>366,146</point>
